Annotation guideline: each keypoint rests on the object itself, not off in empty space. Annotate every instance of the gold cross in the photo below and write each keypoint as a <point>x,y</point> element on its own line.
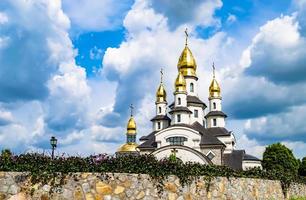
<point>186,33</point>
<point>131,107</point>
<point>161,75</point>
<point>213,65</point>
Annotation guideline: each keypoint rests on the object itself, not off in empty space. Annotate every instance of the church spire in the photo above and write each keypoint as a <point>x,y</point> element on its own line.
<point>130,146</point>
<point>214,88</point>
<point>131,126</point>
<point>161,92</point>
<point>187,64</point>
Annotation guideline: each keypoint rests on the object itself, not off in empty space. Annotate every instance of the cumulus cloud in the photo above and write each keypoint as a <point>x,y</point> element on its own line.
<point>278,51</point>
<point>282,126</point>
<point>5,118</point>
<point>150,45</point>
<point>96,15</point>
<point>43,89</point>
<point>270,89</point>
<point>24,73</point>
<point>194,13</point>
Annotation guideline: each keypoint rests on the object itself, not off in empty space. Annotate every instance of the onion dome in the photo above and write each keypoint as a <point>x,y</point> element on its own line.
<point>131,126</point>
<point>214,88</point>
<point>187,64</point>
<point>161,94</point>
<point>128,147</point>
<point>180,83</point>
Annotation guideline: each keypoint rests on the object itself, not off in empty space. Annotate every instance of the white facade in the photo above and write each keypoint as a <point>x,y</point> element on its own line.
<point>191,86</point>
<point>193,134</point>
<point>249,164</point>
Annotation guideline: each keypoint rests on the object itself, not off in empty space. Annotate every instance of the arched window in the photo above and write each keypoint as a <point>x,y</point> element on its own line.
<point>178,118</point>
<point>214,122</point>
<point>176,140</point>
<point>196,113</point>
<point>214,105</point>
<point>179,101</point>
<point>191,87</point>
<point>158,125</point>
<point>159,109</point>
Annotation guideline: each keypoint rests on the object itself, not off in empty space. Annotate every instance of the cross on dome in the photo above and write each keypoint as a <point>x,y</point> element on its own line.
<point>161,75</point>
<point>214,69</point>
<point>131,108</point>
<point>186,33</point>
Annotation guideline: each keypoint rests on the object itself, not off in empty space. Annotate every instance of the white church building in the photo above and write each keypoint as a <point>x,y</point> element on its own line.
<point>188,128</point>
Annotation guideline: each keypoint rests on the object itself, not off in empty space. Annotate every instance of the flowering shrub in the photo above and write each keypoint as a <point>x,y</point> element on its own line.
<point>45,170</point>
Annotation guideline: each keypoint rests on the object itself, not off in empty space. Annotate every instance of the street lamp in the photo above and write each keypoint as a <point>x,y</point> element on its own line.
<point>53,142</point>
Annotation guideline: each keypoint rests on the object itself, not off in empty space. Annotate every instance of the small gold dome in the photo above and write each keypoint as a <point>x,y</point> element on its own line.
<point>161,94</point>
<point>214,89</point>
<point>128,147</point>
<point>187,64</point>
<point>131,126</point>
<point>180,83</point>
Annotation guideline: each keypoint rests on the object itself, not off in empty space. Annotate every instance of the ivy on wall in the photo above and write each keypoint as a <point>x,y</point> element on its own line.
<point>43,169</point>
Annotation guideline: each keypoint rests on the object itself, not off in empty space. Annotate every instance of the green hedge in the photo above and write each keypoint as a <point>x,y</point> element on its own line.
<point>43,169</point>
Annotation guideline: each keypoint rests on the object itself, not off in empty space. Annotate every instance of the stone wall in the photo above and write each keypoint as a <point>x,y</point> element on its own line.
<point>132,186</point>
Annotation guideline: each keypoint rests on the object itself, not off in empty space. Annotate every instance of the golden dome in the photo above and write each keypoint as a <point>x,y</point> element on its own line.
<point>161,94</point>
<point>180,83</point>
<point>131,126</point>
<point>128,147</point>
<point>187,64</point>
<point>214,89</point>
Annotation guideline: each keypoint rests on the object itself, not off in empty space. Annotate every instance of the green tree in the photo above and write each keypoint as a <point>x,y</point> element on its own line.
<point>302,168</point>
<point>279,158</point>
<point>6,153</point>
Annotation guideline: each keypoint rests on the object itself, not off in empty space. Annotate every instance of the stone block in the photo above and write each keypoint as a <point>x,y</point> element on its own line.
<point>172,196</point>
<point>103,188</point>
<point>171,187</point>
<point>140,195</point>
<point>119,189</point>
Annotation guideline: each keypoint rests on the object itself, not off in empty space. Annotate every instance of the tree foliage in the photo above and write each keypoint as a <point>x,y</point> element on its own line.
<point>302,168</point>
<point>279,158</point>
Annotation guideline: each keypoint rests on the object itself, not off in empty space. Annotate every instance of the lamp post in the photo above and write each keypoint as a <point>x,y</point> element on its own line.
<point>53,142</point>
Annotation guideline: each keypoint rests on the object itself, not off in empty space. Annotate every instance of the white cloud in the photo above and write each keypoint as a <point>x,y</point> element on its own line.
<point>199,12</point>
<point>231,19</point>
<point>5,118</point>
<point>277,52</point>
<point>96,15</point>
<point>3,18</point>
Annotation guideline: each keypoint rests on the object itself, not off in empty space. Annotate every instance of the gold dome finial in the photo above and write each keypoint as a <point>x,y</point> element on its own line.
<point>186,33</point>
<point>214,88</point>
<point>180,83</point>
<point>187,64</point>
<point>131,126</point>
<point>161,92</point>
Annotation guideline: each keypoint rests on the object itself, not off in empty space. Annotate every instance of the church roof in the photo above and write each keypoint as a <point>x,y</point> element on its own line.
<point>250,157</point>
<point>161,117</point>
<point>234,159</point>
<point>216,113</point>
<point>218,131</point>
<point>207,138</point>
<point>149,141</point>
<point>195,100</point>
<point>180,108</point>
<point>191,100</point>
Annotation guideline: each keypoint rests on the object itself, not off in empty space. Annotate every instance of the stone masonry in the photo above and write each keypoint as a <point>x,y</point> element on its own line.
<point>88,186</point>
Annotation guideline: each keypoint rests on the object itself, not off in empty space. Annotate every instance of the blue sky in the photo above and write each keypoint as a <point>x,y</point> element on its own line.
<point>71,68</point>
